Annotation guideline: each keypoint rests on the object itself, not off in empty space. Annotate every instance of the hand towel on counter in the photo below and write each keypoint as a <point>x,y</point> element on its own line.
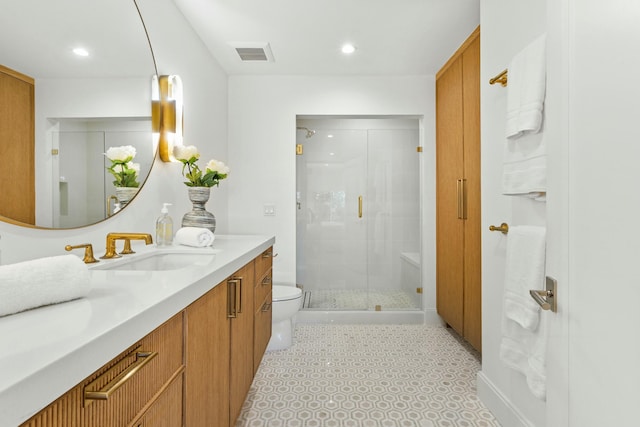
<point>524,331</point>
<point>195,236</point>
<point>40,282</point>
<point>526,89</point>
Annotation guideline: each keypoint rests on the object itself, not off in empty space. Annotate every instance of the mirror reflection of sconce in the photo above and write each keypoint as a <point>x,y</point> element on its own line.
<point>167,114</point>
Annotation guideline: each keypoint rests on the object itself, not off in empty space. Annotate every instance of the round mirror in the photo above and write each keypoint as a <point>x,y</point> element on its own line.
<point>75,78</point>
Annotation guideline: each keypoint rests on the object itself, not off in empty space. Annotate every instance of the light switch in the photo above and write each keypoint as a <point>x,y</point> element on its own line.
<point>269,210</point>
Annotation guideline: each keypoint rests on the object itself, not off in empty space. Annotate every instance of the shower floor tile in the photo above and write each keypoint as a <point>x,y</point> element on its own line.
<point>357,300</point>
<point>368,375</point>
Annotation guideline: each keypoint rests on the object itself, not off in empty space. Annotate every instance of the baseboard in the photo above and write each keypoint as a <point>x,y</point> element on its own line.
<point>431,317</point>
<point>499,404</point>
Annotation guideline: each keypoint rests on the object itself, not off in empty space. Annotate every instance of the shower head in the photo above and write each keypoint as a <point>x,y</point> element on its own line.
<point>310,132</point>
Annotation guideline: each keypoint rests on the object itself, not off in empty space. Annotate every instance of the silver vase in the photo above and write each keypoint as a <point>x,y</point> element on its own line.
<point>199,217</point>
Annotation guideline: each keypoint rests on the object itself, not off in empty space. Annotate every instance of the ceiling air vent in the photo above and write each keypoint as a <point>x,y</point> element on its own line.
<point>254,51</point>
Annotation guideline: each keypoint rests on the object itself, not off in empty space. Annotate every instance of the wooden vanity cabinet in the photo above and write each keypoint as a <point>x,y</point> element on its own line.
<point>263,306</point>
<point>208,359</point>
<point>218,376</point>
<point>195,370</point>
<point>157,378</point>
<point>241,340</point>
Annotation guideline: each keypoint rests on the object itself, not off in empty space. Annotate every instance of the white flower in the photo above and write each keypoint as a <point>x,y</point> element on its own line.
<point>217,166</point>
<point>186,153</point>
<point>123,153</point>
<point>134,166</point>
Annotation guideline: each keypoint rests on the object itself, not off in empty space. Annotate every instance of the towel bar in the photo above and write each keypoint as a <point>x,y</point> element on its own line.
<point>500,78</point>
<point>503,228</point>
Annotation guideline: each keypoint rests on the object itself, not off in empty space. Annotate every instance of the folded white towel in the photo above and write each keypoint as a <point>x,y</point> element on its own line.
<point>524,169</point>
<point>526,89</point>
<point>525,153</point>
<point>523,343</point>
<point>194,236</point>
<point>44,281</point>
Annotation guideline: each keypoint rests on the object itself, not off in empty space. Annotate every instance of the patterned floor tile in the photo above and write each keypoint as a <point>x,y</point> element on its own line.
<point>368,375</point>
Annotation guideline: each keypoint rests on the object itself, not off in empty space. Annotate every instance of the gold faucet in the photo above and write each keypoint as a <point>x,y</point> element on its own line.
<point>127,237</point>
<point>88,252</point>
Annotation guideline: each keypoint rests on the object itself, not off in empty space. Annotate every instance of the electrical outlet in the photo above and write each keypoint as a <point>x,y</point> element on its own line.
<point>269,210</point>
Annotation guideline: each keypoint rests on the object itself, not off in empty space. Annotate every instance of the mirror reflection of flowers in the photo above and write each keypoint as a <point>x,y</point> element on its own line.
<point>214,172</point>
<point>122,167</point>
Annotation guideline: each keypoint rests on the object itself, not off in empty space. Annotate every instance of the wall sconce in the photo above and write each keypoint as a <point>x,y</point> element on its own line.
<point>167,114</point>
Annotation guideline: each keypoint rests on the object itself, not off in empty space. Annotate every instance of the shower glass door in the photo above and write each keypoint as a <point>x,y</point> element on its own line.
<point>330,200</point>
<point>358,219</point>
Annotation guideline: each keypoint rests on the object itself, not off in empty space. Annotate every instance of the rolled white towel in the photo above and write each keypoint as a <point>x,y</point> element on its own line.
<point>44,281</point>
<point>195,236</point>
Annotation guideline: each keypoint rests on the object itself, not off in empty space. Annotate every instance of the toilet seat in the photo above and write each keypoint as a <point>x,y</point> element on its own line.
<point>285,293</point>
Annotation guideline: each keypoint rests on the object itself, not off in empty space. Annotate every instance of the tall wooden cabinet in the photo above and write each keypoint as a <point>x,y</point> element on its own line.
<point>458,262</point>
<point>17,142</point>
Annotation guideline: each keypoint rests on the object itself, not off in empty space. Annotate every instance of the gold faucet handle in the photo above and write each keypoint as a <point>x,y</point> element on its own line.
<point>127,248</point>
<point>88,252</point>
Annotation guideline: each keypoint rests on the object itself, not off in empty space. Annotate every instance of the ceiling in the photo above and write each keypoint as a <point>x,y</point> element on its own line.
<point>392,37</point>
<point>37,38</point>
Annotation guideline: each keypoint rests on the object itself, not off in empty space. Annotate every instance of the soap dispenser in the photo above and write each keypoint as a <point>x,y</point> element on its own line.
<point>164,227</point>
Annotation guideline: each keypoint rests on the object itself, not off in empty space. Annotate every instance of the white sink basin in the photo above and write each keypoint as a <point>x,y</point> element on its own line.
<point>160,260</point>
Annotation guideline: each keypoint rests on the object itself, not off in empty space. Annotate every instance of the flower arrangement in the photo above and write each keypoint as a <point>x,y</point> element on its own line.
<point>122,167</point>
<point>214,172</point>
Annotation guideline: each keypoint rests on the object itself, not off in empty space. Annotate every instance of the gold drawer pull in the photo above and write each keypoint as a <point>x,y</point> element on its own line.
<point>142,358</point>
<point>266,306</point>
<point>269,254</point>
<point>266,281</point>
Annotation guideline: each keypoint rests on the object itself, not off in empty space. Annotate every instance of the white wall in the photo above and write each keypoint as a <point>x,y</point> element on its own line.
<point>506,28</point>
<point>262,137</point>
<point>178,51</point>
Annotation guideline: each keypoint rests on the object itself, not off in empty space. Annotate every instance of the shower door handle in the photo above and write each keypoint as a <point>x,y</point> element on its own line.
<point>359,206</point>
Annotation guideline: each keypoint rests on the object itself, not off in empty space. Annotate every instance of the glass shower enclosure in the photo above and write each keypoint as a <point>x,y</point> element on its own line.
<point>358,214</point>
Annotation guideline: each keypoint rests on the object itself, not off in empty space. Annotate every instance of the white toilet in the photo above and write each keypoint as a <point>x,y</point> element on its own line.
<point>286,303</point>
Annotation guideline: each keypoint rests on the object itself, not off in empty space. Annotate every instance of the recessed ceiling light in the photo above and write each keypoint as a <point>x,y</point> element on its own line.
<point>332,154</point>
<point>80,51</point>
<point>330,135</point>
<point>348,48</point>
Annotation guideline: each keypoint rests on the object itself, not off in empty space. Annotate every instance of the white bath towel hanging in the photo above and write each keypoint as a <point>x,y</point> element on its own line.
<point>525,154</point>
<point>526,89</point>
<point>523,342</point>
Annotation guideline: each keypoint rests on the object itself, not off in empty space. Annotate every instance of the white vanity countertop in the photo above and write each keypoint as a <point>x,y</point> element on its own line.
<point>47,351</point>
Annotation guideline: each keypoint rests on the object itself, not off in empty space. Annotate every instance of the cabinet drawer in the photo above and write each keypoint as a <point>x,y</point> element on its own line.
<point>264,262</point>
<point>120,389</point>
<point>166,410</point>
<point>262,330</point>
<point>263,288</point>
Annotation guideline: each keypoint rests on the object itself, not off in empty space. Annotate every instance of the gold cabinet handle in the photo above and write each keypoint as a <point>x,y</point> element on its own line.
<point>142,358</point>
<point>266,307</point>
<point>461,190</point>
<point>266,281</point>
<point>232,299</point>
<point>238,294</point>
<point>359,206</point>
